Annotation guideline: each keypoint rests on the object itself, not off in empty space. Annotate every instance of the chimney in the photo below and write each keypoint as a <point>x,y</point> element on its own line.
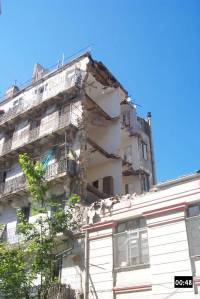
<point>38,72</point>
<point>149,118</point>
<point>11,91</point>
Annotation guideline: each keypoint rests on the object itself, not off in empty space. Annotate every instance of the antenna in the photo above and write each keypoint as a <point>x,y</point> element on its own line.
<point>63,59</point>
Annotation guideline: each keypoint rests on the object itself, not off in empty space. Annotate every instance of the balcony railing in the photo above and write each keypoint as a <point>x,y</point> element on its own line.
<point>41,96</point>
<point>19,183</point>
<point>71,116</point>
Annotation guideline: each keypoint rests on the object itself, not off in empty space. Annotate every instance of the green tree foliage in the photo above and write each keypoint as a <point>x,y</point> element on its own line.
<point>34,256</point>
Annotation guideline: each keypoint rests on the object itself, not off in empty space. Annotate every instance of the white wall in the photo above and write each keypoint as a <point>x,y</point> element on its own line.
<point>110,168</point>
<point>134,184</point>
<point>107,98</point>
<point>101,265</point>
<point>135,295</point>
<point>2,138</point>
<point>110,102</point>
<point>168,243</point>
<point>108,137</point>
<point>169,256</point>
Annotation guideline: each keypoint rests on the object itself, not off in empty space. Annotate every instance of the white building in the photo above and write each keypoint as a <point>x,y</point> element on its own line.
<point>135,248</point>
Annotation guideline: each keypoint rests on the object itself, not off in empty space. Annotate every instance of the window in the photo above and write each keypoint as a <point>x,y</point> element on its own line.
<point>96,184</point>
<point>144,150</point>
<point>108,185</point>
<point>126,189</point>
<point>193,229</point>
<point>145,186</point>
<point>17,102</point>
<point>41,90</point>
<point>131,244</point>
<point>193,210</point>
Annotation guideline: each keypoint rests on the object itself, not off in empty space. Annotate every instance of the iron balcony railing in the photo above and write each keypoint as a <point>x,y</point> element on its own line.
<point>19,183</point>
<point>71,116</point>
<point>41,95</point>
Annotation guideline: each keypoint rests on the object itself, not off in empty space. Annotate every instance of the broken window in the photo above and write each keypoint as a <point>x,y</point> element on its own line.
<point>131,244</point>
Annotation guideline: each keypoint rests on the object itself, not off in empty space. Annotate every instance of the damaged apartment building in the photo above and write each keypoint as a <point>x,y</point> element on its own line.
<point>79,121</point>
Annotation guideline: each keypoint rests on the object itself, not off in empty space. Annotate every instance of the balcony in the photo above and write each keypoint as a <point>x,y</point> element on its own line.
<point>18,185</point>
<point>70,117</point>
<point>42,94</point>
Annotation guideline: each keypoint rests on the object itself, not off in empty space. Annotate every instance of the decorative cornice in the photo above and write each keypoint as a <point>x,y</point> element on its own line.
<point>158,223</point>
<point>153,202</point>
<point>99,226</point>
<point>167,209</point>
<point>100,237</point>
<point>135,288</point>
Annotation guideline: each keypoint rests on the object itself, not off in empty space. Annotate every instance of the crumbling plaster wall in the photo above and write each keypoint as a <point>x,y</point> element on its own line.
<point>108,98</point>
<point>107,137</point>
<point>111,168</point>
<point>134,184</point>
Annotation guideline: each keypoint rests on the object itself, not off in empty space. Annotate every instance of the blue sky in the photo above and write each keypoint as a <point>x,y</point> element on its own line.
<point>151,46</point>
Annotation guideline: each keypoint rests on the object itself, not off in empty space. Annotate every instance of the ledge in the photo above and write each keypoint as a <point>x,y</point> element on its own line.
<point>130,268</point>
<point>99,226</point>
<point>134,288</point>
<point>167,209</point>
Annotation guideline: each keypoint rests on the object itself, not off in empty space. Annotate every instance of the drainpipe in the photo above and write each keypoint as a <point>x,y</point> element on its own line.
<point>86,265</point>
<point>149,120</point>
